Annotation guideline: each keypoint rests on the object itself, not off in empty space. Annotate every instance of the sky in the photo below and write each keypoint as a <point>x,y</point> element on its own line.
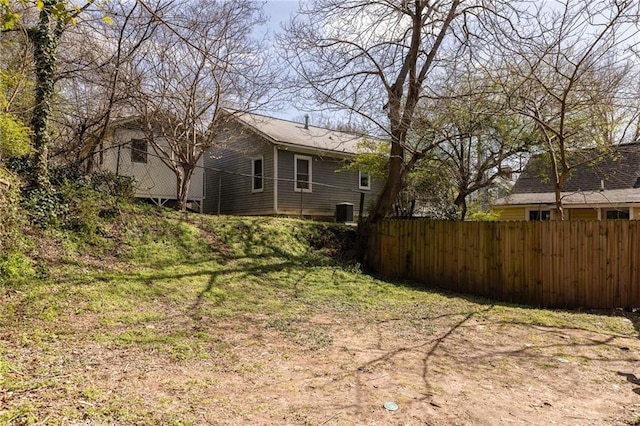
<point>279,12</point>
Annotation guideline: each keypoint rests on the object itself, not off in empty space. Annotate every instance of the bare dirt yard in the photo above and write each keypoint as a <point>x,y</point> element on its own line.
<point>465,368</point>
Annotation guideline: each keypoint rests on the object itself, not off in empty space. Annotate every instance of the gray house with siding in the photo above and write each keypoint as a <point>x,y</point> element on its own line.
<point>268,166</point>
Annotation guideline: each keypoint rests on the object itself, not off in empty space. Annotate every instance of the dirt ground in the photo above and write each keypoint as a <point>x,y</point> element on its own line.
<point>453,370</point>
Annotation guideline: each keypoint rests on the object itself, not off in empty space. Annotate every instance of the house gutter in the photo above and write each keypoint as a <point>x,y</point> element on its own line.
<point>319,152</point>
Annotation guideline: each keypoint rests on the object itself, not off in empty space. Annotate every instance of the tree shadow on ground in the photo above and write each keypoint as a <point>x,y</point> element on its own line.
<point>633,315</point>
<point>633,379</point>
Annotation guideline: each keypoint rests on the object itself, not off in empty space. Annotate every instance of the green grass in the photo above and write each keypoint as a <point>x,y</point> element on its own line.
<point>214,267</point>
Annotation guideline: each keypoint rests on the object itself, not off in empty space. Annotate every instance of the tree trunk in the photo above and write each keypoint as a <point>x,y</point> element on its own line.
<point>384,203</point>
<point>392,187</point>
<point>559,207</point>
<point>44,40</point>
<point>461,203</point>
<point>183,185</point>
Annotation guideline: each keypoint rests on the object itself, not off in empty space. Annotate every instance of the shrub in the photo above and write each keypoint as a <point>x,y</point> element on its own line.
<point>75,201</point>
<point>15,265</point>
<point>15,138</point>
<point>45,208</point>
<point>12,218</point>
<point>117,186</point>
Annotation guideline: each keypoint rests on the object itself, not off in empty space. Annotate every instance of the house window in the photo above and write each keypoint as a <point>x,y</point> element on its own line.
<point>539,214</point>
<point>302,172</point>
<point>138,151</point>
<point>617,214</point>
<point>257,167</point>
<point>364,180</point>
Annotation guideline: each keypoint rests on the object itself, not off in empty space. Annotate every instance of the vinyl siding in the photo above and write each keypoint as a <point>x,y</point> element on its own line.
<point>229,168</point>
<point>331,185</point>
<point>511,213</point>
<point>153,178</point>
<point>583,214</point>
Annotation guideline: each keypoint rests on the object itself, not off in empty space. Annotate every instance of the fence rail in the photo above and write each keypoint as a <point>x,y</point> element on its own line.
<point>591,264</point>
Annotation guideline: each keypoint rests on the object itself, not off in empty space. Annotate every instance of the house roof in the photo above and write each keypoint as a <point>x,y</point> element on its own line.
<point>617,170</point>
<point>293,134</point>
<point>594,198</point>
<point>285,133</point>
<point>612,178</point>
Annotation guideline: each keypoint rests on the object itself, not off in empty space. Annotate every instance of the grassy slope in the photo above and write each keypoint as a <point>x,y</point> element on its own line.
<point>155,281</point>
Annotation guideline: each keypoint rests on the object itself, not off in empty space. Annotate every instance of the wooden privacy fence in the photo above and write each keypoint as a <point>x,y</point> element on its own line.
<point>590,264</point>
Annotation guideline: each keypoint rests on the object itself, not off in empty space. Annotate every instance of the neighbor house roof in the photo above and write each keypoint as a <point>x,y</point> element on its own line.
<point>612,196</point>
<point>294,134</point>
<point>619,169</point>
<point>609,178</point>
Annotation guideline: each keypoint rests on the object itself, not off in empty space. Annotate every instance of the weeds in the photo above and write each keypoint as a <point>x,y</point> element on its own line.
<point>301,332</point>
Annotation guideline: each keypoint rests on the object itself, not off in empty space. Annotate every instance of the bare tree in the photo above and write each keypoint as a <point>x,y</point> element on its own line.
<point>573,70</point>
<point>53,17</point>
<point>98,76</point>
<point>375,59</point>
<point>479,138</point>
<point>200,64</point>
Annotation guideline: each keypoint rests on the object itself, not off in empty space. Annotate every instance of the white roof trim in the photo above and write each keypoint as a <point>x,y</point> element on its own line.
<point>591,198</point>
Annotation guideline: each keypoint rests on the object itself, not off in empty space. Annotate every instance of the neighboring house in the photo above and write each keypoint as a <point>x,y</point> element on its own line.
<point>127,152</point>
<point>500,187</point>
<point>268,166</point>
<point>607,188</point>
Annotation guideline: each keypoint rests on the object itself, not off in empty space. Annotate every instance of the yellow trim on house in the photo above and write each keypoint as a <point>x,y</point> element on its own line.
<point>582,214</point>
<point>510,213</point>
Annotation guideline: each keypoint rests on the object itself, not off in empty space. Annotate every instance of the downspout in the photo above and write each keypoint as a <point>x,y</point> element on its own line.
<point>275,179</point>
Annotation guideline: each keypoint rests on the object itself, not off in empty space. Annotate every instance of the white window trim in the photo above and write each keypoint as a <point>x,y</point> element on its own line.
<point>360,186</point>
<point>620,208</point>
<point>253,176</point>
<point>552,215</point>
<point>295,172</point>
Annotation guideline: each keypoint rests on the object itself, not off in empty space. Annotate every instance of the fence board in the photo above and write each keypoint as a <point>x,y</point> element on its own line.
<point>625,268</point>
<point>592,264</point>
<point>584,229</point>
<point>634,260</point>
<point>547,267</point>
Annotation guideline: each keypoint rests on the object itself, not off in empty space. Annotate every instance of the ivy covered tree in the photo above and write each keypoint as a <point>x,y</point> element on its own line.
<point>44,34</point>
